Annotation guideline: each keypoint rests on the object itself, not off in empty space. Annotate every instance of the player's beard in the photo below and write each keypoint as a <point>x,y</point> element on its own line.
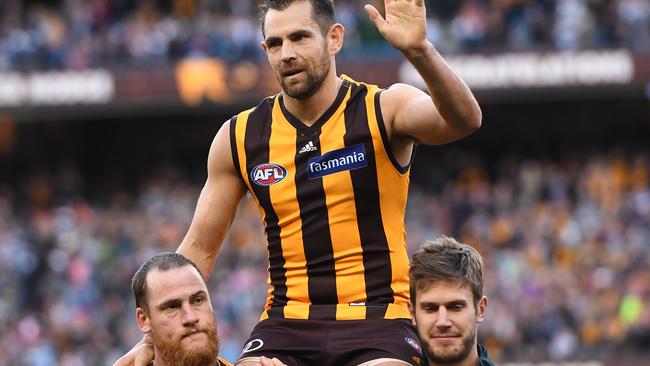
<point>173,352</point>
<point>441,357</point>
<point>315,77</point>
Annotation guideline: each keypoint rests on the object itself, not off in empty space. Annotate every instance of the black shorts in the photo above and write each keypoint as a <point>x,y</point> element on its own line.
<point>336,343</point>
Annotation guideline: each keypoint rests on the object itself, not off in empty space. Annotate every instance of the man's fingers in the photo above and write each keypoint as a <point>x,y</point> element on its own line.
<point>139,361</point>
<point>375,17</point>
<point>123,361</point>
<point>142,361</point>
<point>144,355</point>
<point>277,362</point>
<point>143,352</point>
<point>140,355</point>
<point>417,2</point>
<point>264,361</point>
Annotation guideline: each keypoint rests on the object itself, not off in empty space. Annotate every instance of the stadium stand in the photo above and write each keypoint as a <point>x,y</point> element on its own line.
<point>77,34</point>
<point>566,242</point>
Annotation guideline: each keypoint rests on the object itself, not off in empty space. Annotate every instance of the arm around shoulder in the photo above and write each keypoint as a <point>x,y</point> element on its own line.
<point>142,354</point>
<point>216,205</point>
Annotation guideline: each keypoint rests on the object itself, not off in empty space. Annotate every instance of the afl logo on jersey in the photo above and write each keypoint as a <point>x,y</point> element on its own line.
<point>268,174</point>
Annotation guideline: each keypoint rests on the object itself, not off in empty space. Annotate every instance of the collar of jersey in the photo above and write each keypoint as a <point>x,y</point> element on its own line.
<point>310,130</point>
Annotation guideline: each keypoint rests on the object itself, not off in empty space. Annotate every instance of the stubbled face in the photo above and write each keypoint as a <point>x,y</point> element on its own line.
<point>447,320</point>
<point>296,49</point>
<point>180,317</point>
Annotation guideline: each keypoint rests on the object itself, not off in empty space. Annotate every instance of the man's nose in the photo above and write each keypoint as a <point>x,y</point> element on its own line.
<point>189,315</point>
<point>443,318</point>
<point>288,52</point>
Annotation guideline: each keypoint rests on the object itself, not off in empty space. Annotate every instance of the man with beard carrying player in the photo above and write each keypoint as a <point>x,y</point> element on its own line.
<point>174,309</point>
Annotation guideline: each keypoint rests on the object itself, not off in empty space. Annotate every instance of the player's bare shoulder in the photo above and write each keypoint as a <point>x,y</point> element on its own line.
<point>394,100</point>
<point>220,157</point>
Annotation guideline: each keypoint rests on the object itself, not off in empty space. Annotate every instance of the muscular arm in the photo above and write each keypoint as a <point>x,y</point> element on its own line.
<point>216,206</point>
<point>450,112</point>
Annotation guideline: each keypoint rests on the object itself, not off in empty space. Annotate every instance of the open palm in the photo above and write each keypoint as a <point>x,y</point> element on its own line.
<point>405,24</point>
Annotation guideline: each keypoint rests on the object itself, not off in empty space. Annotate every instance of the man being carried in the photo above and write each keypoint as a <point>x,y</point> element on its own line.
<point>327,160</point>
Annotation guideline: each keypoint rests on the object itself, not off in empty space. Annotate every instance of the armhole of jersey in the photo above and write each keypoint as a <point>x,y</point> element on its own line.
<point>233,147</point>
<point>384,138</point>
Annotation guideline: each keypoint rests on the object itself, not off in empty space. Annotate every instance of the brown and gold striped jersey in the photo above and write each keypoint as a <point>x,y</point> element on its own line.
<point>332,199</point>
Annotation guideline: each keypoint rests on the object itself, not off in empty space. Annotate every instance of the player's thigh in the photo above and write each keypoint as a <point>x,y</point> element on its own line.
<point>294,342</point>
<point>385,362</point>
<point>249,361</point>
<point>255,361</point>
<point>374,342</point>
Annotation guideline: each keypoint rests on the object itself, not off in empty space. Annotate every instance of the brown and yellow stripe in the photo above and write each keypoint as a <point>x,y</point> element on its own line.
<point>332,199</point>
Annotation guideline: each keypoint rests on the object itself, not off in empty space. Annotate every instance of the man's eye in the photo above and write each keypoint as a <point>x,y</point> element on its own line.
<point>172,307</point>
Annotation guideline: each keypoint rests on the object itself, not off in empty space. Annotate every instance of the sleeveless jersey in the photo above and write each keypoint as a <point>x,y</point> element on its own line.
<point>332,199</point>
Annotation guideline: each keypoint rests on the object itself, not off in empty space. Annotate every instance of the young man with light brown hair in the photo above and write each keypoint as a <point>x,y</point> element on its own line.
<point>447,302</point>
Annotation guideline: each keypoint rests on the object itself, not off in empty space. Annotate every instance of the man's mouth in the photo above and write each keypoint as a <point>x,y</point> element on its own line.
<point>445,336</point>
<point>192,333</point>
<point>291,72</point>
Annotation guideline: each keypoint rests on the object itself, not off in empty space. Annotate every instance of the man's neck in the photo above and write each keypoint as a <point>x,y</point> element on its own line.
<point>310,109</point>
<point>471,360</point>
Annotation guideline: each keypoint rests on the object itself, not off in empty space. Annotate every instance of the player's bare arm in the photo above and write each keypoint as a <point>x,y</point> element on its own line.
<point>142,354</point>
<point>216,205</point>
<point>450,112</point>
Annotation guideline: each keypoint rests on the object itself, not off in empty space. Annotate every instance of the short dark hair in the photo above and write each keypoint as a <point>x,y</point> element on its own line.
<point>163,262</point>
<point>446,259</point>
<point>322,11</point>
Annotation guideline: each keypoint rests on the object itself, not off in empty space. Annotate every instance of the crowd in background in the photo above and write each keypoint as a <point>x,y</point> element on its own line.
<point>78,34</point>
<point>566,245</point>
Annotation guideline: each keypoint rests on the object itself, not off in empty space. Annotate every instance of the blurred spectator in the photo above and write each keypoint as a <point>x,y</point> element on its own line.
<point>567,247</point>
<point>74,34</point>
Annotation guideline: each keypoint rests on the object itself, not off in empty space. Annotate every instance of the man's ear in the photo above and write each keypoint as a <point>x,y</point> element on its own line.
<point>264,48</point>
<point>482,308</point>
<point>335,37</point>
<point>412,311</point>
<point>144,322</point>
